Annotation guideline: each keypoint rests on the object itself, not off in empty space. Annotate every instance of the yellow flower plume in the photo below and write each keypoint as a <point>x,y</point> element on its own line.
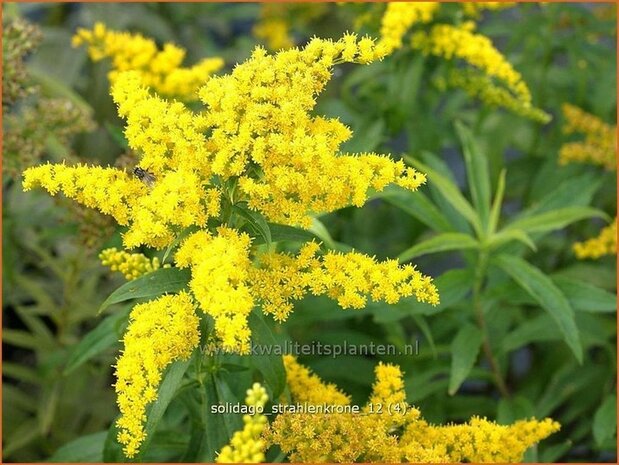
<point>349,278</point>
<point>600,144</point>
<point>131,265</point>
<point>160,332</point>
<point>219,281</point>
<point>604,244</point>
<point>399,17</point>
<point>246,445</point>
<point>384,433</point>
<point>158,69</point>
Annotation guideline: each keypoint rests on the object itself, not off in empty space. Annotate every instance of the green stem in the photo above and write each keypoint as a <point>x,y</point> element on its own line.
<point>480,273</point>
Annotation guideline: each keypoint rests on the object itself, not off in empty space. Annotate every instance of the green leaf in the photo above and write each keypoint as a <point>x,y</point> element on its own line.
<point>503,237</point>
<point>440,243</point>
<point>495,210</point>
<point>605,420</point>
<point>464,350</point>
<point>170,280</point>
<point>547,294</point>
<point>167,390</point>
<point>420,207</point>
<point>555,219</point>
<point>450,192</point>
<point>254,220</point>
<point>586,297</point>
<point>282,232</point>
<point>88,448</point>
<point>270,366</point>
<point>216,431</point>
<point>532,330</point>
<point>105,335</point>
<point>476,171</point>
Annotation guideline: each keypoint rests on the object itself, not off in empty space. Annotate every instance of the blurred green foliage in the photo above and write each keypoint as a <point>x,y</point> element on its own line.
<point>523,328</point>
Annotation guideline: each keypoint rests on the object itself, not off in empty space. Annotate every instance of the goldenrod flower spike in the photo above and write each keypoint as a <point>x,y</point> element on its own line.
<point>399,17</point>
<point>131,265</point>
<point>604,244</point>
<point>307,387</point>
<point>246,445</point>
<point>600,144</point>
<point>474,9</point>
<point>386,433</point>
<point>287,160</point>
<point>461,42</point>
<point>219,280</point>
<point>159,332</point>
<point>160,70</point>
<point>349,278</point>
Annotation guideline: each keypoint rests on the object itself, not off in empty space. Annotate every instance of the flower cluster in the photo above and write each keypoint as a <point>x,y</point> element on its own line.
<point>348,278</point>
<point>399,17</point>
<point>159,69</point>
<point>482,87</point>
<point>219,280</point>
<point>373,436</point>
<point>491,78</point>
<point>474,9</point>
<point>255,143</point>
<point>131,265</point>
<point>307,387</point>
<point>600,144</point>
<point>160,332</point>
<point>246,446</point>
<point>604,244</point>
<point>461,42</point>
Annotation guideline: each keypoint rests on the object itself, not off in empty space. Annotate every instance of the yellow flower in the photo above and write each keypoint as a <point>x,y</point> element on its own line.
<point>476,441</point>
<point>131,265</point>
<point>287,159</point>
<point>160,332</point>
<point>480,86</point>
<point>604,244</point>
<point>475,8</point>
<point>349,278</point>
<point>109,190</point>
<point>307,387</point>
<point>158,69</point>
<point>600,144</point>
<point>246,445</point>
<point>178,199</point>
<point>374,435</point>
<point>219,281</point>
<point>477,50</point>
<point>399,17</point>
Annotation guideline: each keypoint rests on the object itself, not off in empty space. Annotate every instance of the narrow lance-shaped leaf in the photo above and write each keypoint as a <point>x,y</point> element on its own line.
<point>153,284</point>
<point>464,350</point>
<point>547,294</point>
<point>420,207</point>
<point>450,192</point>
<point>495,210</point>
<point>555,219</point>
<point>476,171</point>
<point>440,243</point>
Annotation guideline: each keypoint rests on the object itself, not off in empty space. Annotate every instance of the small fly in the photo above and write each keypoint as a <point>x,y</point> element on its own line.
<point>144,176</point>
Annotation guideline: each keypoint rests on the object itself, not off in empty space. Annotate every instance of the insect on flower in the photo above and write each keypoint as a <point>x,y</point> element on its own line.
<point>144,176</point>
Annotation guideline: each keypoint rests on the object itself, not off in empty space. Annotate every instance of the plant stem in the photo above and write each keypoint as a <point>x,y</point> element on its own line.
<point>480,272</point>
